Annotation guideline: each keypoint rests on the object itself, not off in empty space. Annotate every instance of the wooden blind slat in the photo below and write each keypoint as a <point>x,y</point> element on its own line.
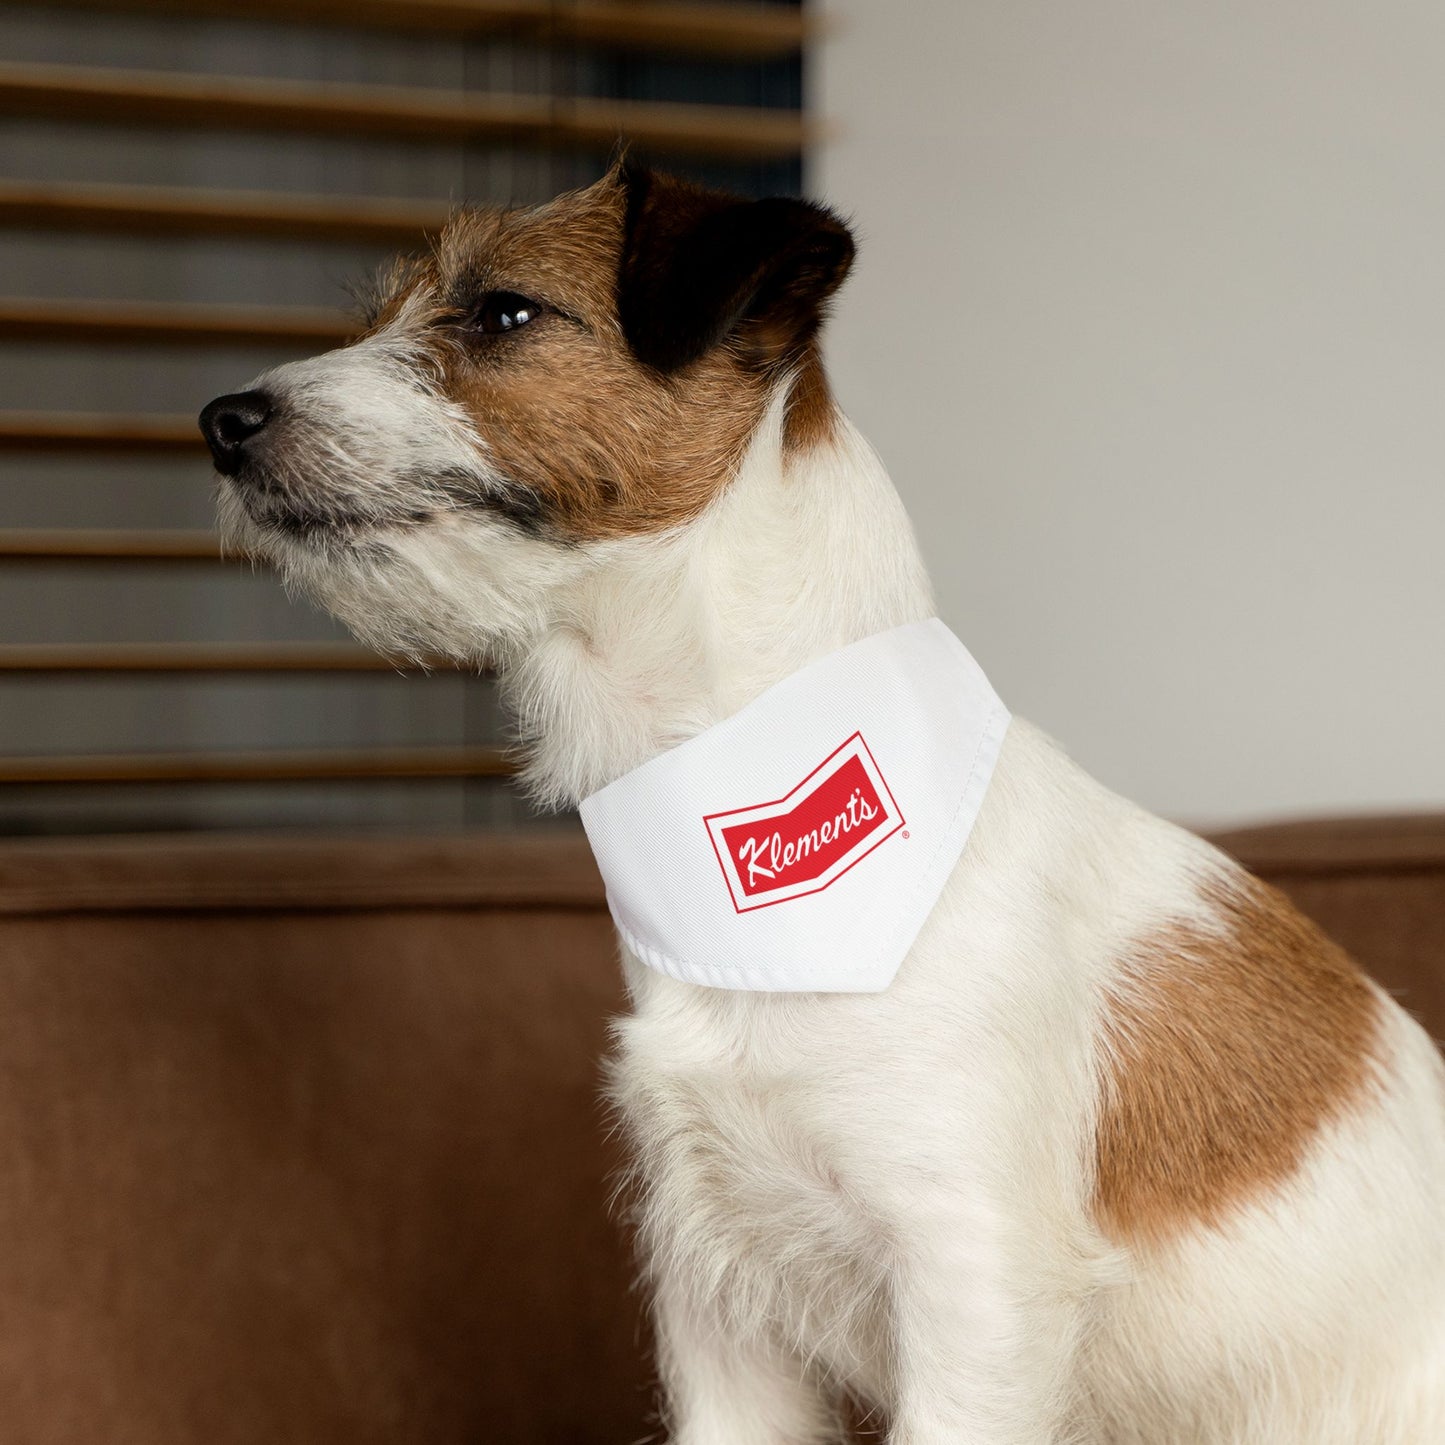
<point>186,657</point>
<point>760,33</point>
<point>171,323</point>
<point>172,211</point>
<point>329,765</point>
<point>77,431</point>
<point>217,102</point>
<point>755,32</point>
<point>82,544</point>
<point>98,432</point>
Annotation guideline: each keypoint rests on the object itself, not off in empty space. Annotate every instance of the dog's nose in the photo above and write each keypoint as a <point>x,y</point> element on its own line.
<point>229,422</point>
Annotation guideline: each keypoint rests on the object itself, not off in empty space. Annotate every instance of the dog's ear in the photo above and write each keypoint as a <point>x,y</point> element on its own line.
<point>699,266</point>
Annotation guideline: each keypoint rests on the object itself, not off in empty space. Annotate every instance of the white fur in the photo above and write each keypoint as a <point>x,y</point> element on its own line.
<point>889,1194</point>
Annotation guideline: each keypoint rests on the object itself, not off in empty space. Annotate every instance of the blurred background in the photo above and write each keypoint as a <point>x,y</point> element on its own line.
<point>187,193</point>
<point>1147,323</point>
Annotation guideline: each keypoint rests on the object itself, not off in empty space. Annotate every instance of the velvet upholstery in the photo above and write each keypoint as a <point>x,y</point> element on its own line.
<point>300,1138</point>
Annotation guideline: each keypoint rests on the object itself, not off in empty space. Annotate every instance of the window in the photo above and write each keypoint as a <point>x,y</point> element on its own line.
<point>185,193</point>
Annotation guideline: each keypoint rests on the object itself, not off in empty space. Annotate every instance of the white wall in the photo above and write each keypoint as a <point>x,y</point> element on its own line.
<point>1149,324</point>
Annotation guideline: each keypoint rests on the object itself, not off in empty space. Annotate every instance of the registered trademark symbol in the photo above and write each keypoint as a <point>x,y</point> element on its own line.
<point>905,832</point>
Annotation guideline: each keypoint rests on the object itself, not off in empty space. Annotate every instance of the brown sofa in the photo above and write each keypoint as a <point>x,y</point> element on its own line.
<point>302,1140</point>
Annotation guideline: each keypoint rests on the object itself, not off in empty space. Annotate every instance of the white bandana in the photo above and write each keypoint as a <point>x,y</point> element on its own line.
<point>801,844</point>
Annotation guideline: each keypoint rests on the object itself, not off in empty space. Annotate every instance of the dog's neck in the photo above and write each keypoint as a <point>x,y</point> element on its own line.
<point>803,553</point>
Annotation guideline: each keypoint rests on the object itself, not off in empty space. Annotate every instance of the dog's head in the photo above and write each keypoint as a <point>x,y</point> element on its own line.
<point>544,384</point>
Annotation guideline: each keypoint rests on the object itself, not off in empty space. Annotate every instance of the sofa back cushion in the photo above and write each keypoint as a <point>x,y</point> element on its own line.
<point>302,1139</point>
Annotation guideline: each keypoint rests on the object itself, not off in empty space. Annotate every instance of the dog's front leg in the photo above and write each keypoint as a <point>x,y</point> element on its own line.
<point>723,1387</point>
<point>984,1338</point>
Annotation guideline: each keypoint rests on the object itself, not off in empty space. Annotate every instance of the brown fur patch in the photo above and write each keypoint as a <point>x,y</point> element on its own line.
<point>1227,1052</point>
<point>604,444</point>
<point>812,415</point>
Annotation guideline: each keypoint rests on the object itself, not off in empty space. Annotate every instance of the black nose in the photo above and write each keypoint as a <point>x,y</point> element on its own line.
<point>229,422</point>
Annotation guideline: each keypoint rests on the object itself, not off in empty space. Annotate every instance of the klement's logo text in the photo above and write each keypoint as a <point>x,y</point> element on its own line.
<point>800,844</point>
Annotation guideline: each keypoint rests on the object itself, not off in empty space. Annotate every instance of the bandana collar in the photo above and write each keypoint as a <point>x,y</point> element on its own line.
<point>800,845</point>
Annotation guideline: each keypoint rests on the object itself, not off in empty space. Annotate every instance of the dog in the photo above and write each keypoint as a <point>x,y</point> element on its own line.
<point>1127,1152</point>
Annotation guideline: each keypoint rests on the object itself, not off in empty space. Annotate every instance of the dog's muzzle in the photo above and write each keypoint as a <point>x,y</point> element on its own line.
<point>232,422</point>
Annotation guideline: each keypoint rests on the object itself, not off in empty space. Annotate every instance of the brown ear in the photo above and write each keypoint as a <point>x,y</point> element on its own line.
<point>699,266</point>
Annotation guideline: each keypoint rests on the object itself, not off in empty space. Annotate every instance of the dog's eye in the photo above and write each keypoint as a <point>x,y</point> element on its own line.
<point>504,311</point>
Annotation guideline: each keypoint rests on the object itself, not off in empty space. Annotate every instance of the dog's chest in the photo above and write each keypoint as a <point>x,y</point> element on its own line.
<point>743,1163</point>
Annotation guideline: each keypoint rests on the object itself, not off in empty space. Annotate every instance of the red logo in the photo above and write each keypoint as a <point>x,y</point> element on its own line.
<point>806,841</point>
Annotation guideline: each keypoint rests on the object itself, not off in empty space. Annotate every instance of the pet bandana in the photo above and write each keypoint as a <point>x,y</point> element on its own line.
<point>799,845</point>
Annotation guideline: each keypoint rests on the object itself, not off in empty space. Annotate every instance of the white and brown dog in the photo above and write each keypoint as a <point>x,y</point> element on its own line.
<point>1127,1152</point>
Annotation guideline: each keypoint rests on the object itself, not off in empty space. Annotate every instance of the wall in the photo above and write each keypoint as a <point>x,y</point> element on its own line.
<point>1149,324</point>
